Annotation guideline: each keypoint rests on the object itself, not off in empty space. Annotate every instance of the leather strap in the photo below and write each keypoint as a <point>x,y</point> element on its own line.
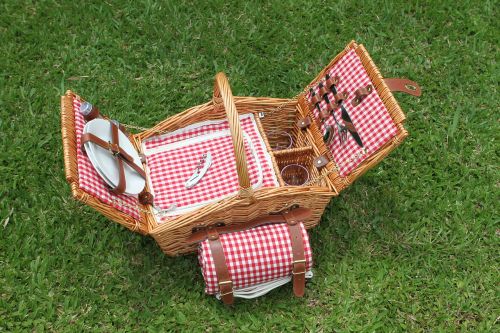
<point>298,214</point>
<point>339,98</point>
<point>299,260</point>
<point>360,94</point>
<point>403,85</point>
<point>315,99</point>
<point>322,90</point>
<point>114,149</point>
<point>223,277</point>
<point>331,81</point>
<point>349,126</point>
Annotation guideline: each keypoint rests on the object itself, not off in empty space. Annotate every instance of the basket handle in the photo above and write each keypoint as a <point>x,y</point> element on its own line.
<point>223,98</point>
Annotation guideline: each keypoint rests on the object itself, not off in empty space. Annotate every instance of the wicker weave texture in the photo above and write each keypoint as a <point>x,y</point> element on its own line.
<point>273,115</point>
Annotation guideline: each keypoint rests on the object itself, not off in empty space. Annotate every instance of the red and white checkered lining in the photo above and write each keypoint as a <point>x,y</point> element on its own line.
<point>370,118</point>
<point>169,169</point>
<point>253,256</point>
<point>90,181</point>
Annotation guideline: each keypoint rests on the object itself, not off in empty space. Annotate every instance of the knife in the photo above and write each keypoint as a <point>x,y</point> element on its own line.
<point>350,126</point>
<point>346,118</point>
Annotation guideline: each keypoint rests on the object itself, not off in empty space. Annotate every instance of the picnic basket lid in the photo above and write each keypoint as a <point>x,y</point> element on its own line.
<point>378,118</point>
<point>86,185</point>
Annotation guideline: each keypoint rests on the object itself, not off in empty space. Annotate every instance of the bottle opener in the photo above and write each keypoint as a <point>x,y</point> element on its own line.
<point>201,169</point>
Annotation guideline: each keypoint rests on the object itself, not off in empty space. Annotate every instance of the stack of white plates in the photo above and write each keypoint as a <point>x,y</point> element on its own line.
<point>263,288</point>
<point>105,163</point>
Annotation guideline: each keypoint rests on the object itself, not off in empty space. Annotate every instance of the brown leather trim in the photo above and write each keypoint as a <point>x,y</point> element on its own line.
<point>315,99</point>
<point>114,149</point>
<point>323,90</point>
<point>403,85</point>
<point>349,126</point>
<point>223,277</point>
<point>304,123</point>
<point>332,81</point>
<point>339,98</point>
<point>298,214</point>
<point>360,94</point>
<point>94,113</point>
<point>146,198</point>
<point>299,260</point>
<point>321,161</point>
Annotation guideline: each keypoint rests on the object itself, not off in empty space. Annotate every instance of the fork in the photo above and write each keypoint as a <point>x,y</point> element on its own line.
<point>341,129</point>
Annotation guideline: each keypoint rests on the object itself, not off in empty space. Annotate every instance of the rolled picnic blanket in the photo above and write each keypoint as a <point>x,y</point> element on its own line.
<point>250,259</point>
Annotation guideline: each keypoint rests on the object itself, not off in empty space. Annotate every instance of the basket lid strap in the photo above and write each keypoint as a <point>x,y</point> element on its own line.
<point>297,214</point>
<point>403,85</point>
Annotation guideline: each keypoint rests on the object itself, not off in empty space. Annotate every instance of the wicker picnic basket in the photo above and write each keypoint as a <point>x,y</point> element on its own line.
<point>269,115</point>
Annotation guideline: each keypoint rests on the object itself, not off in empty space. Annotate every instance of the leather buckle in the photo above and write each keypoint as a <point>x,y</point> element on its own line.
<point>212,233</point>
<point>114,149</point>
<point>303,261</point>
<point>223,283</point>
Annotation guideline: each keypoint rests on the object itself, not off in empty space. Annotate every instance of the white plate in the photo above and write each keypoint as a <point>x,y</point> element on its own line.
<point>91,156</point>
<point>263,288</point>
<point>105,163</point>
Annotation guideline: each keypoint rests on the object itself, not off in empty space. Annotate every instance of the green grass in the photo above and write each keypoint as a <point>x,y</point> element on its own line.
<point>412,246</point>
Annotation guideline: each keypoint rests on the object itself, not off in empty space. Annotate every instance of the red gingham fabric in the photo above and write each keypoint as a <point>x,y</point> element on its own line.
<point>253,256</point>
<point>191,131</point>
<point>371,119</point>
<point>170,169</point>
<point>90,181</point>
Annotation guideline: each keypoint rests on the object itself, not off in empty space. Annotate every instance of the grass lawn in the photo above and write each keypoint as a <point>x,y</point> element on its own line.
<point>412,246</point>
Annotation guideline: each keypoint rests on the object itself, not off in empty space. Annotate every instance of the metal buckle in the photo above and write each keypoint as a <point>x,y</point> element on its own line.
<point>298,262</point>
<point>114,148</point>
<point>228,293</point>
<point>410,87</point>
<point>224,283</point>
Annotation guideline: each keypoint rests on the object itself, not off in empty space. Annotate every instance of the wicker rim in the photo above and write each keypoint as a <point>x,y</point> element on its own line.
<point>392,106</point>
<point>71,169</point>
<point>171,235</point>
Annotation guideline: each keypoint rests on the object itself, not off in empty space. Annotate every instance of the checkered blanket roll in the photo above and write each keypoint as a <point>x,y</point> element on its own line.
<point>253,256</point>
